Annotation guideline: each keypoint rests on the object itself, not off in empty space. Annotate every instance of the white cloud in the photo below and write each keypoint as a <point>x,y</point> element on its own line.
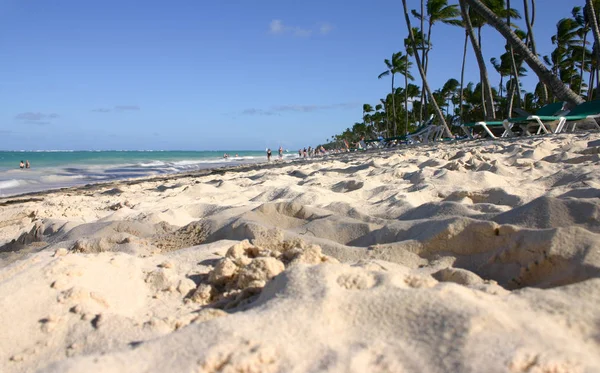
<point>127,108</point>
<point>277,27</point>
<point>325,28</point>
<point>36,117</point>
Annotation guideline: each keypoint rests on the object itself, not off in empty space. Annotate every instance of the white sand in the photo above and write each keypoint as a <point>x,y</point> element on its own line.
<point>478,256</point>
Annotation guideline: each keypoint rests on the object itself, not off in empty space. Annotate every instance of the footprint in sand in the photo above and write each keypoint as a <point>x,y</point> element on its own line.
<point>356,281</point>
<point>245,357</point>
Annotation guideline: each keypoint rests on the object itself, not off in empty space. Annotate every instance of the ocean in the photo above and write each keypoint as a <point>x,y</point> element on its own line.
<point>58,169</point>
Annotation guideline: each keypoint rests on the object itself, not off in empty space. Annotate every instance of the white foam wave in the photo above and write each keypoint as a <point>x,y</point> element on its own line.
<point>152,164</point>
<point>12,183</point>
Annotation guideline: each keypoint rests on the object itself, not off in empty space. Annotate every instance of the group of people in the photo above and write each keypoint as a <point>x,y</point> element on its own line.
<point>311,152</point>
<point>24,165</point>
<point>269,154</point>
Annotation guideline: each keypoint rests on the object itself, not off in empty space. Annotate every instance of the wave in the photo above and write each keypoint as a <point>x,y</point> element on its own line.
<point>12,183</point>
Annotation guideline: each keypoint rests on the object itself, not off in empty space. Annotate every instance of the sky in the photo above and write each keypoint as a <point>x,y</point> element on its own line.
<point>211,75</point>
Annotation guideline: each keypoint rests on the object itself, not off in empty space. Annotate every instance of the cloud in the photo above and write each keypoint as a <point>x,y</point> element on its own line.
<point>325,28</point>
<point>117,108</point>
<point>127,108</point>
<point>312,108</point>
<point>277,27</point>
<point>31,116</point>
<point>277,110</point>
<point>253,111</point>
<point>36,118</point>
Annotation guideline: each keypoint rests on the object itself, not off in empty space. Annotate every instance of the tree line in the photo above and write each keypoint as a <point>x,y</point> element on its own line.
<point>570,73</point>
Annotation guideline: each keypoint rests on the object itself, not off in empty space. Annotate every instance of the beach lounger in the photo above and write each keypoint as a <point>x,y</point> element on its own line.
<point>426,133</point>
<point>588,111</point>
<point>507,125</point>
<point>487,127</point>
<point>551,112</point>
<point>415,136</point>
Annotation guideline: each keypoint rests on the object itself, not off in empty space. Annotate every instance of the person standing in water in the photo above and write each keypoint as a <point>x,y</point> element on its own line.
<point>27,165</point>
<point>280,153</point>
<point>268,155</point>
<point>21,165</point>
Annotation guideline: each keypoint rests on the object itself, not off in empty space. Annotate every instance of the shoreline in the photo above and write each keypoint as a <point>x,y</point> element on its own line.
<point>186,174</point>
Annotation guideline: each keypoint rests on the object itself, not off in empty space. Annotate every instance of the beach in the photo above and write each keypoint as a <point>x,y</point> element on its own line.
<point>56,169</point>
<point>459,256</point>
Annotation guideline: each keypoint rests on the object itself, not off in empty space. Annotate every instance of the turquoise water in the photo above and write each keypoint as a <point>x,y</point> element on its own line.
<point>56,169</point>
<point>11,159</point>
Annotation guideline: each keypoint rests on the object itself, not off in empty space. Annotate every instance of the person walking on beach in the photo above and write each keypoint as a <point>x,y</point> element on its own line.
<point>280,153</point>
<point>22,165</point>
<point>268,155</point>
<point>27,165</point>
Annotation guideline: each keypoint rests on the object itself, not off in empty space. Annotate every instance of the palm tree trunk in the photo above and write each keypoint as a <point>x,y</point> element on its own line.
<point>481,78</point>
<point>438,111</point>
<point>590,92</point>
<point>597,83</point>
<point>531,39</point>
<point>421,113</point>
<point>462,76</point>
<point>487,96</point>
<point>582,61</point>
<point>426,63</point>
<point>516,84</point>
<point>387,123</point>
<point>393,103</point>
<point>510,97</point>
<point>406,96</point>
<point>591,13</point>
<point>559,89</point>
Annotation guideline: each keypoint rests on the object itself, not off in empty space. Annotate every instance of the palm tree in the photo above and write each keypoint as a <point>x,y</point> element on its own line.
<point>437,11</point>
<point>592,19</point>
<point>531,40</point>
<point>393,66</point>
<point>560,90</point>
<point>367,109</point>
<point>462,71</point>
<point>567,37</point>
<point>386,107</point>
<point>448,92</point>
<point>515,88</point>
<point>438,111</point>
<point>503,69</point>
<point>486,97</point>
<point>406,64</point>
<point>584,29</point>
<point>421,45</point>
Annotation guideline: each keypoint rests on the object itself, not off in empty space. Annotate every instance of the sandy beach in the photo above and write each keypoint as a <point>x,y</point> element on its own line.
<point>472,256</point>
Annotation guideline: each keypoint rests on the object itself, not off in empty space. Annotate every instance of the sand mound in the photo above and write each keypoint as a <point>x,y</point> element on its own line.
<point>548,212</point>
<point>436,327</point>
<point>246,269</point>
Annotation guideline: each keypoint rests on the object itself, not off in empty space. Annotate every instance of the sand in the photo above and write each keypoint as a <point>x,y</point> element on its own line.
<point>477,256</point>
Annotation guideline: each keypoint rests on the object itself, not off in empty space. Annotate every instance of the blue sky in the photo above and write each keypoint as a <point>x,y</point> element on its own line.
<point>209,75</point>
